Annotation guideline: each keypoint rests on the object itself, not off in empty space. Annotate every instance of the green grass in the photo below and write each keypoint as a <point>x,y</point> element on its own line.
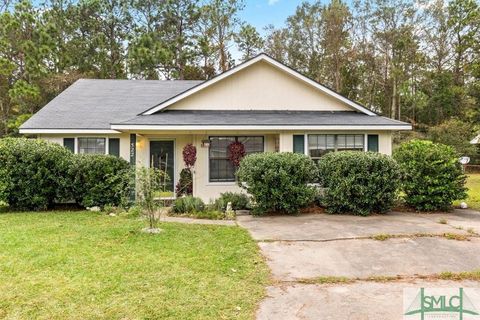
<point>80,265</point>
<point>473,185</point>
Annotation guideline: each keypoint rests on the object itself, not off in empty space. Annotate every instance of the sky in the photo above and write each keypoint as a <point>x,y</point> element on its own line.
<point>261,13</point>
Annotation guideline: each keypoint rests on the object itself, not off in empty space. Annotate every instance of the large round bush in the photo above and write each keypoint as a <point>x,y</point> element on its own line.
<point>432,176</point>
<point>278,181</point>
<point>358,182</point>
<point>31,172</point>
<point>99,180</point>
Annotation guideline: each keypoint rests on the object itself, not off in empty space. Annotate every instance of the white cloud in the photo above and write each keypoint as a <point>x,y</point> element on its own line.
<point>272,2</point>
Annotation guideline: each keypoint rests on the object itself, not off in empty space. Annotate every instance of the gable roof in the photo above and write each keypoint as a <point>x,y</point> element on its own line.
<point>90,104</point>
<point>261,57</point>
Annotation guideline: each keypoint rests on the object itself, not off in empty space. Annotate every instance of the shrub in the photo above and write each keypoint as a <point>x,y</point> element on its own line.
<point>432,176</point>
<point>240,201</point>
<point>149,181</point>
<point>358,182</point>
<point>188,205</point>
<point>278,181</point>
<point>209,214</point>
<point>99,180</point>
<point>31,172</point>
<point>185,184</point>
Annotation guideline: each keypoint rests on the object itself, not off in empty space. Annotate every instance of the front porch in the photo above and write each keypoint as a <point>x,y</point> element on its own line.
<point>213,173</point>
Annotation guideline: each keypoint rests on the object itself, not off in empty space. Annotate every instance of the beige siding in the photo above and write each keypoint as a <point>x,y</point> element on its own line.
<point>260,87</point>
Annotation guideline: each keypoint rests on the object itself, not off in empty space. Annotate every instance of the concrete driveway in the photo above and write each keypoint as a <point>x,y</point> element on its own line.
<point>303,249</point>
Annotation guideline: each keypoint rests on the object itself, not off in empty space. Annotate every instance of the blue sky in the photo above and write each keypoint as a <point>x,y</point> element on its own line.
<point>261,13</point>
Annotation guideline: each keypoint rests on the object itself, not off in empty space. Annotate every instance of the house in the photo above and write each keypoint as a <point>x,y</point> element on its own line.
<point>262,103</point>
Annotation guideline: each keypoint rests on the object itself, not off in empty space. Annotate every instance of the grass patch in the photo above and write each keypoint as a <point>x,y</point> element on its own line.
<point>473,185</point>
<point>327,280</point>
<point>83,265</point>
<point>443,221</point>
<point>382,237</point>
<point>468,275</point>
<point>455,236</point>
<point>471,231</point>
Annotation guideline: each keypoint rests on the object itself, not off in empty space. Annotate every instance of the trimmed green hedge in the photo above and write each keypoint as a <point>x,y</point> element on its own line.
<point>240,201</point>
<point>99,180</point>
<point>35,174</point>
<point>432,175</point>
<point>278,181</point>
<point>31,173</point>
<point>358,182</point>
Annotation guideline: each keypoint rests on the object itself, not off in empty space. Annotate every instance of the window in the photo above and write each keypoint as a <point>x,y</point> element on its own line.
<point>321,144</point>
<point>91,145</point>
<point>220,167</point>
<point>353,142</point>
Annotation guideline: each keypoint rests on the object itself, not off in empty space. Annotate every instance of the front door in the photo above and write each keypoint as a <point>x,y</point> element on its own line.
<point>162,156</point>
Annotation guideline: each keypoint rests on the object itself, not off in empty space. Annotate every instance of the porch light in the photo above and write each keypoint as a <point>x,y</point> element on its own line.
<point>205,143</point>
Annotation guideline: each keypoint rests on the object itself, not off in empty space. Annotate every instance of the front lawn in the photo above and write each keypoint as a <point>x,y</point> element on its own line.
<point>81,265</point>
<point>473,185</point>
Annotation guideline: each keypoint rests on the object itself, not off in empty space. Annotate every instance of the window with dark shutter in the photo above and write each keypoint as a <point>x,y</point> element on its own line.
<point>69,143</point>
<point>114,147</point>
<point>299,144</point>
<point>373,142</point>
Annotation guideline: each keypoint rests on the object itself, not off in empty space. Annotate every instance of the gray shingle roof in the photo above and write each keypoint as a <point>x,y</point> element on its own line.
<point>227,117</point>
<point>94,104</point>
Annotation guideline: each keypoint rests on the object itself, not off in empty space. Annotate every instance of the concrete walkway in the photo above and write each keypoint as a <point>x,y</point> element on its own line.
<point>357,301</point>
<point>306,247</point>
<point>198,221</point>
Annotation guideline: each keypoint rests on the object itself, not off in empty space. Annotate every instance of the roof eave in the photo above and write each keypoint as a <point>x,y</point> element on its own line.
<point>66,131</point>
<point>121,127</point>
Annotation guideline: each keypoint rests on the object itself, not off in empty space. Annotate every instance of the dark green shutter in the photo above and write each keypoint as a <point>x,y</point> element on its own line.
<point>69,143</point>
<point>114,147</point>
<point>373,142</point>
<point>133,148</point>
<point>299,144</point>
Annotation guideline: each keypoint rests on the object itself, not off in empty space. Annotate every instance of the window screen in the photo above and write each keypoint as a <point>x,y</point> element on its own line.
<point>220,167</point>
<point>91,145</point>
<point>321,144</point>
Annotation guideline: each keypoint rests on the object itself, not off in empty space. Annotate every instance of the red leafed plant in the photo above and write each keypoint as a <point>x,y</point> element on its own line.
<point>236,152</point>
<point>189,155</point>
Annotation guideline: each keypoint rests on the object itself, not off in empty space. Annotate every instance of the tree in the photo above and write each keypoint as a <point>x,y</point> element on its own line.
<point>23,51</point>
<point>454,133</point>
<point>336,41</point>
<point>149,183</point>
<point>224,20</point>
<point>249,41</point>
<point>166,42</point>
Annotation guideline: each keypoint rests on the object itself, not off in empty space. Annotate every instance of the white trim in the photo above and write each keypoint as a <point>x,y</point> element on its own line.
<point>256,127</point>
<point>261,57</point>
<point>67,131</point>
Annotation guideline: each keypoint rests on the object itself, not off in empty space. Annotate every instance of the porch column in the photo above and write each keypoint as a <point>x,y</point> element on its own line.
<point>285,142</point>
<point>133,149</point>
